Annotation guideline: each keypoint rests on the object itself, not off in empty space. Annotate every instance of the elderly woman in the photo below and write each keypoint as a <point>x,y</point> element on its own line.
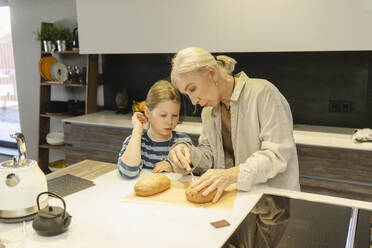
<point>247,135</point>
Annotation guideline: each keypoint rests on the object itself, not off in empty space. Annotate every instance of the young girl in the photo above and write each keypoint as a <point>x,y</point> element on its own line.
<point>149,148</point>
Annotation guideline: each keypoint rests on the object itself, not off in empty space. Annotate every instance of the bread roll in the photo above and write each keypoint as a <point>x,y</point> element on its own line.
<point>197,197</point>
<point>152,184</point>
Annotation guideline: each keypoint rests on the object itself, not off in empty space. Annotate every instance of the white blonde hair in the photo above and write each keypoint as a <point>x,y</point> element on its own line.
<point>196,59</point>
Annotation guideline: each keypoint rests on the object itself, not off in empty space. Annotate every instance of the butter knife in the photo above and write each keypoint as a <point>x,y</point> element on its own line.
<point>193,177</point>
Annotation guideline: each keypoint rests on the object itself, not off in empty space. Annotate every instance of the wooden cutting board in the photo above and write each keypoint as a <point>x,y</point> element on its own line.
<point>176,196</point>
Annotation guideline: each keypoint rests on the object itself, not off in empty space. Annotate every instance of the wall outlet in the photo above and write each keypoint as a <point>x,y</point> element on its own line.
<point>339,106</point>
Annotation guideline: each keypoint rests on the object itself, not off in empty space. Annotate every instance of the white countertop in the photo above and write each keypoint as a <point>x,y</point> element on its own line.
<point>100,218</point>
<point>321,136</point>
<point>111,119</point>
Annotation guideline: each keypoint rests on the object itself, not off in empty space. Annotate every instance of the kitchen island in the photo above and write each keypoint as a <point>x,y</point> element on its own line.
<point>100,217</point>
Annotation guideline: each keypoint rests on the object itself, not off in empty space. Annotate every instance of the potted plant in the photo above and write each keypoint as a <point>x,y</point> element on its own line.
<point>46,35</point>
<point>51,34</point>
<point>63,33</point>
<point>63,37</point>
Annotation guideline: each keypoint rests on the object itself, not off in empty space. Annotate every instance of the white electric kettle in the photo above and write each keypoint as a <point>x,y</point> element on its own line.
<point>21,181</point>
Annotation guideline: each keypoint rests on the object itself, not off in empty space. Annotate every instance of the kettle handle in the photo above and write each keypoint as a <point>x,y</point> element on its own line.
<point>56,196</point>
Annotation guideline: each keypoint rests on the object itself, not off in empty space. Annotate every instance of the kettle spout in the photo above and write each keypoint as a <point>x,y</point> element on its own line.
<point>21,144</point>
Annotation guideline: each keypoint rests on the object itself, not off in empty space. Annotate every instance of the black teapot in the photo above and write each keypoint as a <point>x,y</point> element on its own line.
<point>51,220</point>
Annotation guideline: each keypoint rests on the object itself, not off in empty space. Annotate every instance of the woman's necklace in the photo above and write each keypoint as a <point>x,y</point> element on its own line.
<point>228,108</point>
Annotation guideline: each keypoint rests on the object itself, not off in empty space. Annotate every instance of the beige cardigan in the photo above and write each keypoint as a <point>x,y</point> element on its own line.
<point>262,137</point>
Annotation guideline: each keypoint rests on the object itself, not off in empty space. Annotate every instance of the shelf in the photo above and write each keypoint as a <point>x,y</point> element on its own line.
<point>64,52</point>
<point>89,90</point>
<point>57,115</point>
<point>58,83</point>
<point>46,146</point>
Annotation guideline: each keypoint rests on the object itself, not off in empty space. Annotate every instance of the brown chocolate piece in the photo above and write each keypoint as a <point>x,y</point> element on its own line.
<point>220,223</point>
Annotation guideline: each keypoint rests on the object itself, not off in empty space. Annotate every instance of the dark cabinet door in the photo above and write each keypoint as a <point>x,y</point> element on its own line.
<point>77,154</point>
<point>94,136</point>
<point>336,172</point>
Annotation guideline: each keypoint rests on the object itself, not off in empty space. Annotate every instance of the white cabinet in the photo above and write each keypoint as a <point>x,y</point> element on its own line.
<point>294,25</point>
<point>145,26</point>
<point>166,26</point>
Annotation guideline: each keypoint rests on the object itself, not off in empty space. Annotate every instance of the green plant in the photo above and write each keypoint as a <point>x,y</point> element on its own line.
<point>46,33</point>
<point>63,33</point>
<point>53,33</point>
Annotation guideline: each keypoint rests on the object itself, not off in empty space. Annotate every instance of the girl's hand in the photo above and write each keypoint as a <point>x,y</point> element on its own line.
<point>180,156</point>
<point>218,179</point>
<point>162,166</point>
<point>138,121</point>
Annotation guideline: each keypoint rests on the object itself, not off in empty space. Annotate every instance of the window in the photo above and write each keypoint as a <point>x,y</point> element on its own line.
<point>9,114</point>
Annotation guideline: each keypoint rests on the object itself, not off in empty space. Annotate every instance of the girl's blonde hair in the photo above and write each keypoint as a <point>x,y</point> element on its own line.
<point>161,91</point>
<point>195,59</point>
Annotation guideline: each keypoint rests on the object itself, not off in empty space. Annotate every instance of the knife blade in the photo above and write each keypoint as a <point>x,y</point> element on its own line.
<point>193,177</point>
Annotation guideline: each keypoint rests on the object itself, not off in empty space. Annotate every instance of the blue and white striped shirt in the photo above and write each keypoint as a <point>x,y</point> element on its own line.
<point>151,153</point>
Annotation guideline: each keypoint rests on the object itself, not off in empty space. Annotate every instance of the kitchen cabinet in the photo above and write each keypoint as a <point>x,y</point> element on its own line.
<point>270,26</point>
<point>223,26</point>
<point>76,154</point>
<point>47,88</point>
<point>145,26</point>
<point>101,143</point>
<point>336,172</point>
<point>93,142</point>
<point>101,135</point>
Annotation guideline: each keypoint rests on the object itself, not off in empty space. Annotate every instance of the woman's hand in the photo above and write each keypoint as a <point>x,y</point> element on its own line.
<point>218,179</point>
<point>138,121</point>
<point>162,166</point>
<point>180,156</point>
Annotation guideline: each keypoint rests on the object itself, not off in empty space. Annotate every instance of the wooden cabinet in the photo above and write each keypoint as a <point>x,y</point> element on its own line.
<point>95,136</point>
<point>48,87</point>
<point>336,172</point>
<point>101,143</point>
<point>77,154</point>
<point>93,142</point>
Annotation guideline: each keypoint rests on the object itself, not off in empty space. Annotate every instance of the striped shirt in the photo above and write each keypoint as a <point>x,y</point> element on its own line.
<point>151,153</point>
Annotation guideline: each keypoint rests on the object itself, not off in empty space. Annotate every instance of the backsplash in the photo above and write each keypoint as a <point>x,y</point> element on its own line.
<point>322,88</point>
<point>137,73</point>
